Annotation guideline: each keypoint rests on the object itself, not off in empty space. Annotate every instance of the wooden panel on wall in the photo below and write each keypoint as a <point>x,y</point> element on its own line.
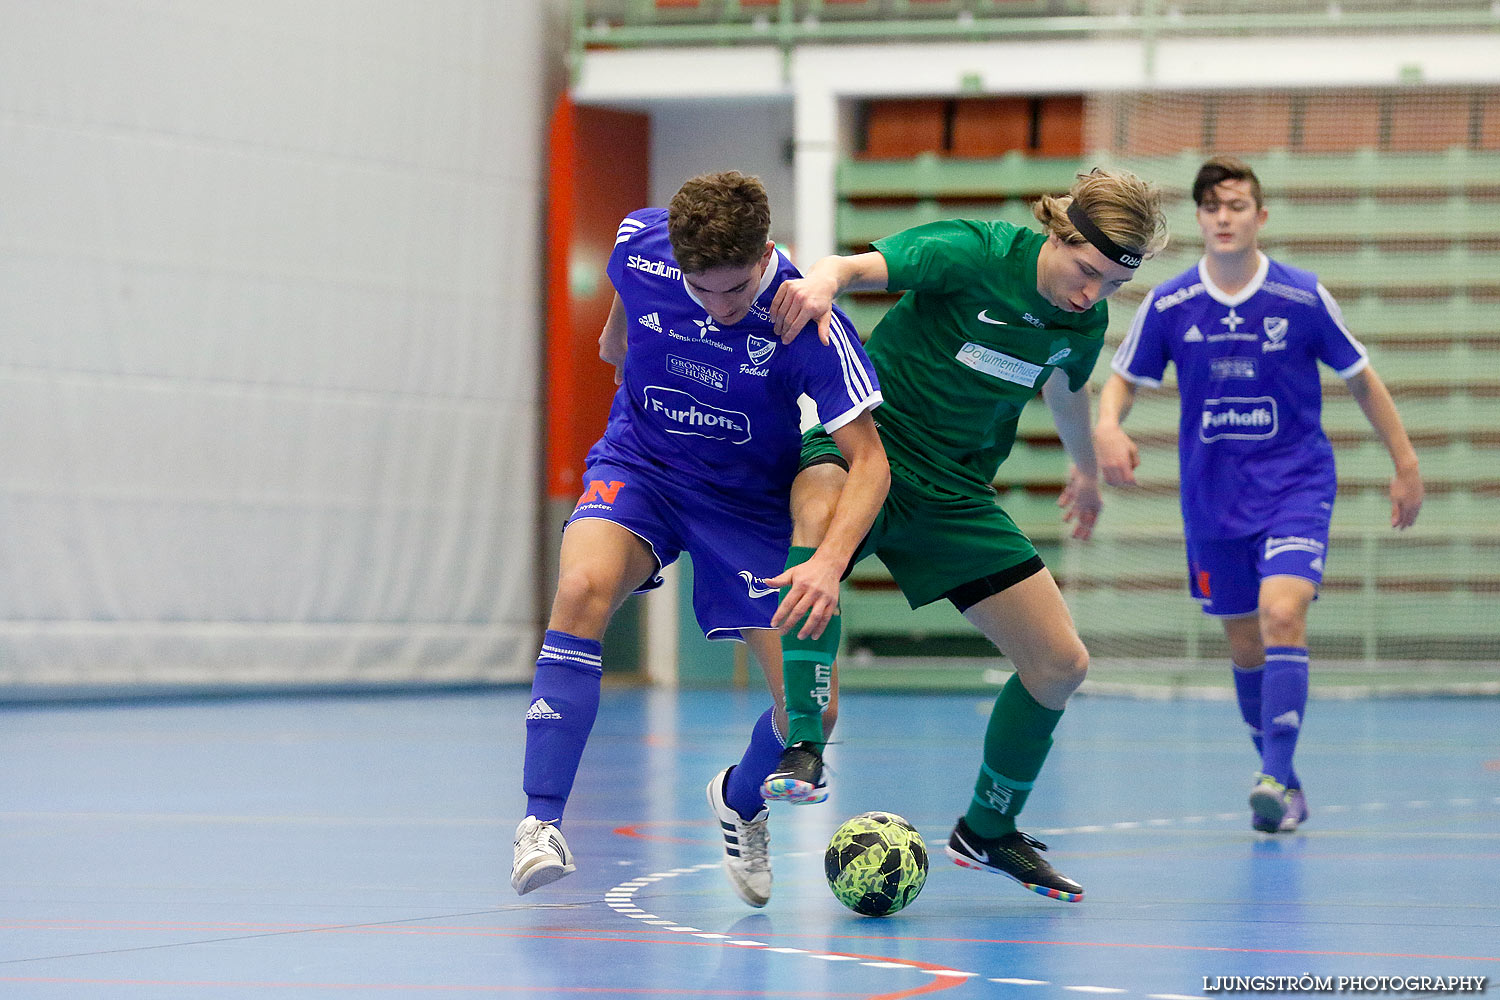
<point>1251,123</point>
<point>899,128</point>
<point>1165,124</point>
<point>1489,120</point>
<point>1340,123</point>
<point>1429,121</point>
<point>990,126</point>
<point>1061,127</point>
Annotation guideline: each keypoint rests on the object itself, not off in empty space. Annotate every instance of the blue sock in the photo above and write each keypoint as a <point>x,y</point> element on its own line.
<point>1283,703</point>
<point>742,787</point>
<point>564,703</point>
<point>1247,690</point>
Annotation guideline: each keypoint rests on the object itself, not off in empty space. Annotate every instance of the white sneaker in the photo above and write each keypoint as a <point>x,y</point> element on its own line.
<point>747,846</point>
<point>542,856</point>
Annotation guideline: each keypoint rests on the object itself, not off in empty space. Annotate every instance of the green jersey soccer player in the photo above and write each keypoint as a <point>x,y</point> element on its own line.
<point>991,314</point>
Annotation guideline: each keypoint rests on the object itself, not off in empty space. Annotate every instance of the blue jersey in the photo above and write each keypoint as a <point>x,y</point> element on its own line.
<point>1250,441</point>
<point>716,409</point>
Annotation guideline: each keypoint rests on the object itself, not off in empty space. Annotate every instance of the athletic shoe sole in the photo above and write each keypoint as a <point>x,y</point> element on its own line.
<point>964,861</point>
<point>798,793</point>
<point>1269,806</point>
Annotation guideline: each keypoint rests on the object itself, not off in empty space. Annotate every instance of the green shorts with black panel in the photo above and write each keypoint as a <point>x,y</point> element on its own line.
<point>931,540</point>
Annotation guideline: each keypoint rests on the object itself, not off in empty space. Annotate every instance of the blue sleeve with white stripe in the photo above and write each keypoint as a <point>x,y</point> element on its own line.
<point>1142,356</point>
<point>1337,347</point>
<point>629,226</point>
<point>838,377</point>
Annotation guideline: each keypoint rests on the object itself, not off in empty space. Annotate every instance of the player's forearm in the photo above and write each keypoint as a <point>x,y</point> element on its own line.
<point>1115,402</point>
<point>1070,413</point>
<point>1379,408</point>
<point>864,272</point>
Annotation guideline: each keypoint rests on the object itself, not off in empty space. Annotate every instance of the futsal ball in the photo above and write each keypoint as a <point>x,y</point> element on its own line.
<point>876,863</point>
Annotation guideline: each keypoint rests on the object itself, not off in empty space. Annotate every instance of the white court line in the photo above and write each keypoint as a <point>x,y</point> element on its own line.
<point>620,897</point>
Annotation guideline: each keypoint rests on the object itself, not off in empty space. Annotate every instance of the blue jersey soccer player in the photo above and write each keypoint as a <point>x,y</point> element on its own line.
<point>1246,334</point>
<point>699,455</point>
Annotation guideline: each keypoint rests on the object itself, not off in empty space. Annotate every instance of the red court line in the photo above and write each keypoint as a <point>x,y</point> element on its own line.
<point>634,830</point>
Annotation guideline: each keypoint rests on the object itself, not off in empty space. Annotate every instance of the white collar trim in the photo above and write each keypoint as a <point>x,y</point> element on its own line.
<point>1223,297</point>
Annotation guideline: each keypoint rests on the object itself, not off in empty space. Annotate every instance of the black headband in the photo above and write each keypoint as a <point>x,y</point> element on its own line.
<point>1095,235</point>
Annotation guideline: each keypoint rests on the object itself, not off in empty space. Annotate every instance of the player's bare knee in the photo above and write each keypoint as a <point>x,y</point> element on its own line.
<point>1071,668</point>
<point>581,599</point>
<point>1283,622</point>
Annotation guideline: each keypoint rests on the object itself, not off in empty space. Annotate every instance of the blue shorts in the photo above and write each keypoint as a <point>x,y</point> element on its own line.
<point>1224,574</point>
<point>734,549</point>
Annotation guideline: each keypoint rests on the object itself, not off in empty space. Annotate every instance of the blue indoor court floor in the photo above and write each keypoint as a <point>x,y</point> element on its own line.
<point>360,847</point>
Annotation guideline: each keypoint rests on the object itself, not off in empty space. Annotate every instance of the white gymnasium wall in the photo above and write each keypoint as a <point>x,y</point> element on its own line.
<point>269,340</point>
<point>691,137</point>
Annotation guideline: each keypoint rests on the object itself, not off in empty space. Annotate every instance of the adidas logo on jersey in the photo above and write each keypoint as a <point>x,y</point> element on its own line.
<point>541,710</point>
<point>1193,336</point>
<point>651,321</point>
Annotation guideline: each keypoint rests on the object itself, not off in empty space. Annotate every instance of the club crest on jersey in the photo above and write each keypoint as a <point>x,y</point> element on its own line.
<point>760,349</point>
<point>1275,327</point>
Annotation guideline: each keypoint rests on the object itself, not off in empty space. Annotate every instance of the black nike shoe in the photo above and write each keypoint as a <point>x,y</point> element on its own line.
<point>798,777</point>
<point>1013,854</point>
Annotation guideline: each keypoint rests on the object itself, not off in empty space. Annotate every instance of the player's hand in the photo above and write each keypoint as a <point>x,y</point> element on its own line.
<point>800,301</point>
<point>1406,498</point>
<point>812,594</point>
<point>1117,456</point>
<point>1081,503</point>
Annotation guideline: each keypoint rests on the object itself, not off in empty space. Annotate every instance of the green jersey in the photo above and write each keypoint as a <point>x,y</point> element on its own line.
<point>968,345</point>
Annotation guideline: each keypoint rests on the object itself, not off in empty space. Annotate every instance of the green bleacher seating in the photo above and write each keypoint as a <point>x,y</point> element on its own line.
<point>929,175</point>
<point>1367,170</point>
<point>1415,266</point>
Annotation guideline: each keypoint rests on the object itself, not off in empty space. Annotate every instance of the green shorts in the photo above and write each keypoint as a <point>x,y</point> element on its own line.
<point>930,540</point>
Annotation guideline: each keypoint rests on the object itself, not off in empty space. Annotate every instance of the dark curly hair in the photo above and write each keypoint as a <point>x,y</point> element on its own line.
<point>717,220</point>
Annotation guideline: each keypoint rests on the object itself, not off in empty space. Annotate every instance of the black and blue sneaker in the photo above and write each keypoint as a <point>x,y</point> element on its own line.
<point>798,777</point>
<point>1014,855</point>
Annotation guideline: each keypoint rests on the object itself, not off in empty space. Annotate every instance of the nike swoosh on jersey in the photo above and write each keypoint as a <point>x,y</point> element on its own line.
<point>985,319</point>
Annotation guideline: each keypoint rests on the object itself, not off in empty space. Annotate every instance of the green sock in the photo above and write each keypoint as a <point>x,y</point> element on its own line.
<point>807,671</point>
<point>1015,745</point>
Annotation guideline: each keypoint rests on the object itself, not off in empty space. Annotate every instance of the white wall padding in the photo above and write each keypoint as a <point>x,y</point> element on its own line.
<point>269,327</point>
